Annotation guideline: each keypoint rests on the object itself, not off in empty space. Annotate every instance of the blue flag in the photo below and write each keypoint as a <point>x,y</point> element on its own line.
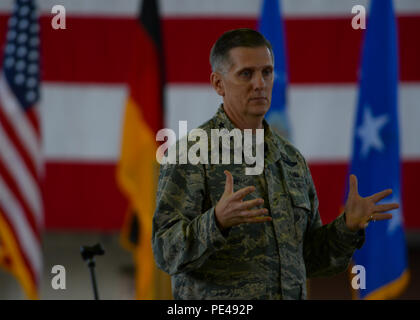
<point>376,155</point>
<point>271,26</point>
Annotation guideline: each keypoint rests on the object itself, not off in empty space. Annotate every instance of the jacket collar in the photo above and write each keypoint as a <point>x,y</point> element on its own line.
<point>274,148</point>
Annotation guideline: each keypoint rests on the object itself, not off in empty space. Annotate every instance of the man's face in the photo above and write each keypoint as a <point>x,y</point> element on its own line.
<point>247,84</point>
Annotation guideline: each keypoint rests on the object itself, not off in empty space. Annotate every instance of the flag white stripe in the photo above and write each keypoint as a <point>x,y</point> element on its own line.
<point>321,116</point>
<point>22,126</point>
<point>84,123</point>
<point>23,178</point>
<point>27,239</point>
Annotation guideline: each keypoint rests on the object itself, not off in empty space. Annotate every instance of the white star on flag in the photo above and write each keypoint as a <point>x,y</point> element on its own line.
<point>368,132</point>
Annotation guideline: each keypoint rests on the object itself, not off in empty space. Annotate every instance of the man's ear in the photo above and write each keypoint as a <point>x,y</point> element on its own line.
<point>217,83</point>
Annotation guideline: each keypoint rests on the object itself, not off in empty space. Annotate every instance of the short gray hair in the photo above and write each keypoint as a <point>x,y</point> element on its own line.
<point>244,37</point>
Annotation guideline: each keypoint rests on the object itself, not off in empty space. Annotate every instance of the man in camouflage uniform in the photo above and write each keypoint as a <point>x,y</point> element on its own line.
<point>222,234</point>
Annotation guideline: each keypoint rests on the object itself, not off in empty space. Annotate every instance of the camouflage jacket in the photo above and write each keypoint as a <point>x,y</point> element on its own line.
<point>268,260</point>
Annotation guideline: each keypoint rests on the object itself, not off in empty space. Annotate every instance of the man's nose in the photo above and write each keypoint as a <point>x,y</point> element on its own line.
<point>259,81</point>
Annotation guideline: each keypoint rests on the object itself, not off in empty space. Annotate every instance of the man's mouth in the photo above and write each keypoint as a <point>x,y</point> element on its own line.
<point>258,99</point>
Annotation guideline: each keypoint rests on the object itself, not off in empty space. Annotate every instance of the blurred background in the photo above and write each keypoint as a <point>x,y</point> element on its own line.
<point>121,70</point>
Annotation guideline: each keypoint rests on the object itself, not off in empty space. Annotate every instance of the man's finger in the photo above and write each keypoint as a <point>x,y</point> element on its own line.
<point>250,204</point>
<point>242,193</point>
<point>380,195</point>
<point>386,207</point>
<point>258,219</point>
<point>254,213</point>
<point>229,182</point>
<point>381,216</point>
<point>256,216</point>
<point>353,189</point>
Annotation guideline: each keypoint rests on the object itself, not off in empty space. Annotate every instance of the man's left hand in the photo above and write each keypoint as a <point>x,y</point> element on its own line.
<point>360,211</point>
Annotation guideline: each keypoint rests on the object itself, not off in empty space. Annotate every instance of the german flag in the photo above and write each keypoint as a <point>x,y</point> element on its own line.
<point>137,169</point>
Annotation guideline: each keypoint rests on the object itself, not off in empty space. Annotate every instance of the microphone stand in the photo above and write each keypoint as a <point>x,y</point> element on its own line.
<point>88,254</point>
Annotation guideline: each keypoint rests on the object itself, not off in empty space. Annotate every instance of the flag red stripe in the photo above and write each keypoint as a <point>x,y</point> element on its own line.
<point>320,50</point>
<point>90,199</point>
<point>18,146</point>
<point>11,184</point>
<point>83,196</point>
<point>92,50</point>
<point>330,182</point>
<point>410,177</point>
<point>28,265</point>
<point>33,117</point>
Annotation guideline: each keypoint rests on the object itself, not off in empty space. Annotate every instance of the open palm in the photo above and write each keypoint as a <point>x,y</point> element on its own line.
<point>359,210</point>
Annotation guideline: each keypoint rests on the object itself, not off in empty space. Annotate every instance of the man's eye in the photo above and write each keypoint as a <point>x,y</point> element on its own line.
<point>267,72</point>
<point>245,74</point>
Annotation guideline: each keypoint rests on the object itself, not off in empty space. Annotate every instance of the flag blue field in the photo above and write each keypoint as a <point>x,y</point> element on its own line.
<point>376,155</point>
<point>272,27</point>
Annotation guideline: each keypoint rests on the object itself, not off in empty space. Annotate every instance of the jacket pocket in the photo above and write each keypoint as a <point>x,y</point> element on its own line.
<point>301,207</point>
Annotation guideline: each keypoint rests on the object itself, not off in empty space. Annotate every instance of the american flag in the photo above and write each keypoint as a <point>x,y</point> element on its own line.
<point>21,164</point>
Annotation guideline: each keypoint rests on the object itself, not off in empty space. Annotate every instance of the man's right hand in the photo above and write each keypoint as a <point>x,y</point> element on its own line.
<point>231,210</point>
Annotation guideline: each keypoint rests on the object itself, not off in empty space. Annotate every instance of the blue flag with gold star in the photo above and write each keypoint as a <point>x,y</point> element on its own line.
<point>376,155</point>
<point>271,26</point>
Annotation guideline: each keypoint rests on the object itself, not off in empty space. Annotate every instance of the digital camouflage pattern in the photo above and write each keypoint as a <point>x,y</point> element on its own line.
<point>269,260</point>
